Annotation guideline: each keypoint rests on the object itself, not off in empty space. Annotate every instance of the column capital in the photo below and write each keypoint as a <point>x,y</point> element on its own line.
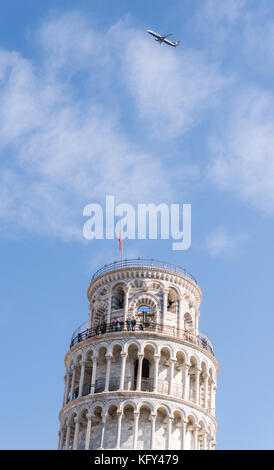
<point>89,416</point>
<point>157,357</point>
<point>77,420</point>
<point>153,416</point>
<point>108,356</point>
<point>83,363</point>
<point>136,414</point>
<point>123,354</point>
<point>119,412</point>
<point>140,355</point>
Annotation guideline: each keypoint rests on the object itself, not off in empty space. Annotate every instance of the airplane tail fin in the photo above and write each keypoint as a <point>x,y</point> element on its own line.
<point>177,43</point>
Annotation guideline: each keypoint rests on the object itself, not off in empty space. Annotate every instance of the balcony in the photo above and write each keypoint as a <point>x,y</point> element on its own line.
<point>84,332</point>
<point>143,263</point>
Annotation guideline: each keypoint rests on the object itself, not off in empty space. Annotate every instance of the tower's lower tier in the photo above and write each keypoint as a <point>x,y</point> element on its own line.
<point>135,420</point>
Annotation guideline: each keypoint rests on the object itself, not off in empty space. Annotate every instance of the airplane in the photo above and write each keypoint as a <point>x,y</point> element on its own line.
<point>162,39</point>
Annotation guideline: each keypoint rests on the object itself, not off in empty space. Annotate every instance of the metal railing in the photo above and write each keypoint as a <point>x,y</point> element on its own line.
<point>142,262</point>
<point>84,332</point>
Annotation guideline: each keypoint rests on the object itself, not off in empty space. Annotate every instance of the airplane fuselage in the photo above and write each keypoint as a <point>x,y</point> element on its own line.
<point>162,39</point>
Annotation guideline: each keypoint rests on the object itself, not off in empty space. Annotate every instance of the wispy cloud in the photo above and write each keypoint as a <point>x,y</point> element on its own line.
<point>62,142</point>
<point>171,89</point>
<point>243,159</point>
<point>221,243</point>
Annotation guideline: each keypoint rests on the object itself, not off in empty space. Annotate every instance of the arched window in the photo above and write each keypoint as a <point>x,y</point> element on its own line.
<point>117,299</point>
<point>145,313</point>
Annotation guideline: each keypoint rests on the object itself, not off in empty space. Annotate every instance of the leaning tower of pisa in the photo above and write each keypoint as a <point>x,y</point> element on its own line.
<point>139,373</point>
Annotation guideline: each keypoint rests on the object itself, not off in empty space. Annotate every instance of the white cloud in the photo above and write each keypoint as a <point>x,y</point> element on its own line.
<point>172,88</point>
<point>59,152</point>
<point>61,141</point>
<point>222,243</point>
<point>214,11</point>
<point>243,159</point>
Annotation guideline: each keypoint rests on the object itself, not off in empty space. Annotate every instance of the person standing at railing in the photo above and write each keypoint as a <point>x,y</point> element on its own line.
<point>133,323</point>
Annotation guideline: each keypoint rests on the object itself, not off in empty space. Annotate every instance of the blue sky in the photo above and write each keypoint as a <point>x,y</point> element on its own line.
<point>90,105</point>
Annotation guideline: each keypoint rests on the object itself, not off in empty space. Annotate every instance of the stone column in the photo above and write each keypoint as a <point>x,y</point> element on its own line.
<point>169,429</point>
<point>165,295</point>
<point>211,398</point>
<point>156,372</point>
<point>195,434</point>
<point>135,430</point>
<point>180,322</point>
<point>204,440</point>
<point>172,363</point>
<point>139,372</point>
<point>82,375</point>
<point>109,309</point>
<point>214,396</point>
<point>197,386</point>
<point>126,304</point>
<point>93,376</point>
<point>119,424</point>
<point>104,417</point>
<point>76,433</point>
<point>206,390</point>
<point>196,323</point>
<point>61,438</point>
<point>67,437</point>
<point>66,379</point>
<point>186,381</point>
<point>153,421</point>
<point>72,381</point>
<point>123,368</point>
<point>183,434</point>
<point>88,431</point>
<point>107,372</point>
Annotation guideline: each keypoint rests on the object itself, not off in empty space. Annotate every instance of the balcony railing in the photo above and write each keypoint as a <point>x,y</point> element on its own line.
<point>84,332</point>
<point>141,262</point>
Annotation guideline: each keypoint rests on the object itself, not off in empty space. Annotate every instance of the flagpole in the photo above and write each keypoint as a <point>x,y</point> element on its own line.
<point>120,244</point>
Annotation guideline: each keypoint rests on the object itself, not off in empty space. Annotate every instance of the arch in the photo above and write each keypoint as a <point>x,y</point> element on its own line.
<point>173,300</point>
<point>118,295</point>
<point>144,426</point>
<point>131,343</point>
<point>149,343</point>
<point>127,425</point>
<point>113,344</point>
<point>145,403</point>
<point>128,403</point>
<point>188,322</point>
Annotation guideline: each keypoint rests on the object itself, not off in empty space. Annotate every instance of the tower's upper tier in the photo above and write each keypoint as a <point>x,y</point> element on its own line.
<point>127,271</point>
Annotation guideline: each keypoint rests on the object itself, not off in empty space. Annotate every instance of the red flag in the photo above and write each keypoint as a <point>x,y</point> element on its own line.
<point>120,239</point>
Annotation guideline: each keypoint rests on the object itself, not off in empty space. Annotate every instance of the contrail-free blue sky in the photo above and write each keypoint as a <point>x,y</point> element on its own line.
<point>90,106</point>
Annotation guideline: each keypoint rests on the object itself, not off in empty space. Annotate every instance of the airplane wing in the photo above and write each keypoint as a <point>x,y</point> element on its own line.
<point>167,35</point>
